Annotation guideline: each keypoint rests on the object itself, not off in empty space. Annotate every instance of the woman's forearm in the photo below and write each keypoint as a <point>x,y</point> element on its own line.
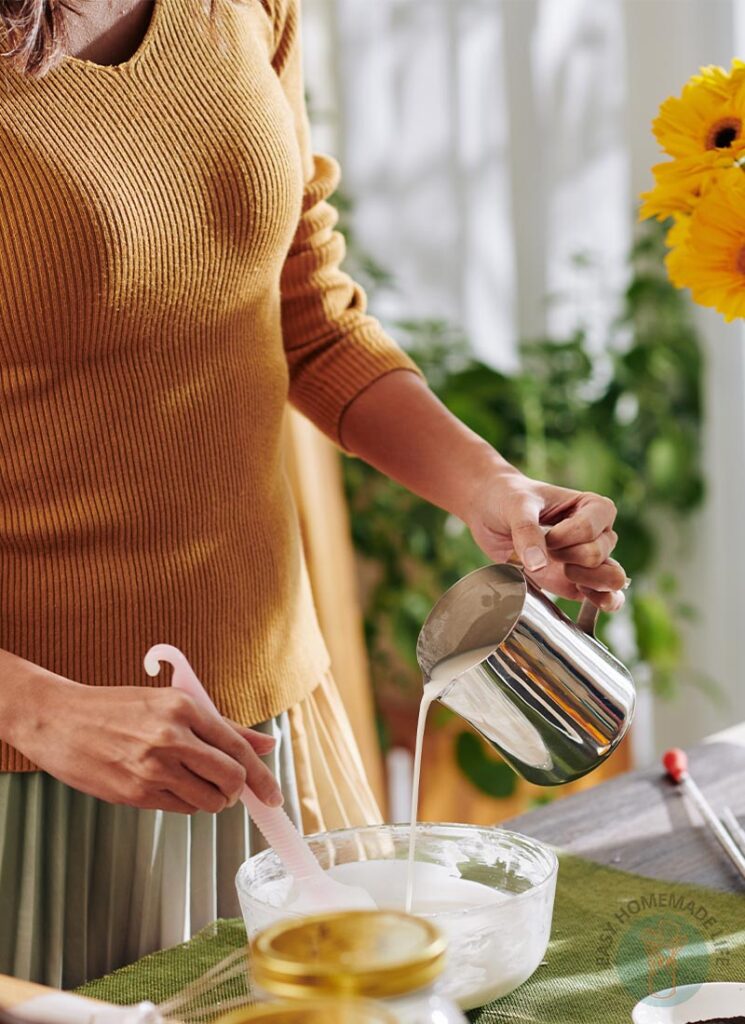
<point>399,426</point>
<point>563,537</point>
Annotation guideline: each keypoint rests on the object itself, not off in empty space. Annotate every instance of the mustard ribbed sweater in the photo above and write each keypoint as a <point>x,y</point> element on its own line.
<point>169,273</point>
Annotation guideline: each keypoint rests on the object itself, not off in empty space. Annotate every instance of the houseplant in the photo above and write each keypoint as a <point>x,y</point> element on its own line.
<point>625,422</point>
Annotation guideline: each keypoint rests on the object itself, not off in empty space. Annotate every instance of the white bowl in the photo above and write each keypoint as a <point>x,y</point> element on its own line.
<point>692,1003</point>
<point>494,944</point>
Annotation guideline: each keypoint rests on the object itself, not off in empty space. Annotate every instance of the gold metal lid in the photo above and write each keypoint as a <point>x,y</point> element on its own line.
<point>317,1011</point>
<point>374,953</point>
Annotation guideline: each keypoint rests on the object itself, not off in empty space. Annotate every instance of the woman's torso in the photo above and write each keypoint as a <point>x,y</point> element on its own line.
<point>146,212</point>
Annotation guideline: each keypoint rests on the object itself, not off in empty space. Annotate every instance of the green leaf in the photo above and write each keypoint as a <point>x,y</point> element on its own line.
<point>487,773</point>
<point>383,731</point>
<point>658,638</point>
<point>540,801</point>
<point>637,544</point>
<point>593,465</point>
<point>405,632</point>
<point>440,716</point>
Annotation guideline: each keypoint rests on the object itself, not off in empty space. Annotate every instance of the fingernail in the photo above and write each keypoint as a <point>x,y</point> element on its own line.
<point>535,558</point>
<point>617,603</point>
<point>276,800</point>
<point>627,584</point>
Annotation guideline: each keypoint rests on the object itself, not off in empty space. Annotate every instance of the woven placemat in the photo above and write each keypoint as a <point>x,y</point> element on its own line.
<point>615,938</point>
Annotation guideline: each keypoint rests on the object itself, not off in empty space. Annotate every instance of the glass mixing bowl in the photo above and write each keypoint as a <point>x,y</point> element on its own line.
<point>494,943</point>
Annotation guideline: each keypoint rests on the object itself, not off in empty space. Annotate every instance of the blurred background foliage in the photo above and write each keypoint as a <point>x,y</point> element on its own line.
<point>622,418</point>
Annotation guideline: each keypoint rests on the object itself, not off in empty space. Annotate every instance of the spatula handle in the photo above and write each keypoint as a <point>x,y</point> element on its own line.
<point>37,1004</point>
<point>272,822</point>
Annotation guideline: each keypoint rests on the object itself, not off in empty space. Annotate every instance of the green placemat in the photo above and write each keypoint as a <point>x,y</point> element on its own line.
<point>615,938</point>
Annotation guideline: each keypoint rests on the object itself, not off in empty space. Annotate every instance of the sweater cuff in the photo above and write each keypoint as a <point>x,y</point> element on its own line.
<point>347,368</point>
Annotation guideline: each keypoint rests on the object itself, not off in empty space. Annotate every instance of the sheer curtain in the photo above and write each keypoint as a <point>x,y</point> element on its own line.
<point>486,143</point>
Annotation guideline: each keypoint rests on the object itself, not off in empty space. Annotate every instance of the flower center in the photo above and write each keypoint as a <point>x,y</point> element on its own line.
<point>723,133</point>
<point>740,260</point>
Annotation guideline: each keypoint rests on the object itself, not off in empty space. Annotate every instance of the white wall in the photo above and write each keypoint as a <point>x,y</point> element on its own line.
<point>473,136</point>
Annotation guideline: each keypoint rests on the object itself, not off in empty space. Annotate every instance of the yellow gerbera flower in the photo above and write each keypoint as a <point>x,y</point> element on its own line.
<point>710,255</point>
<point>681,183</point>
<point>704,130</point>
<point>708,115</point>
<point>679,230</point>
<point>676,240</point>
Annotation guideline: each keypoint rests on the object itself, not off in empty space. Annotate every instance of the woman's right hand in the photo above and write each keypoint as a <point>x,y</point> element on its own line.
<point>150,747</point>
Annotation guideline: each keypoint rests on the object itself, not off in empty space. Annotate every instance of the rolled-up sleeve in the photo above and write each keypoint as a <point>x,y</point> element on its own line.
<point>335,349</point>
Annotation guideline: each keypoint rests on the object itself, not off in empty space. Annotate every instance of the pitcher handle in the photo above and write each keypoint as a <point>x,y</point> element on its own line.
<point>588,617</point>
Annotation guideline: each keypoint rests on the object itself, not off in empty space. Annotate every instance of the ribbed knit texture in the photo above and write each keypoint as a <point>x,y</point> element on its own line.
<point>169,273</point>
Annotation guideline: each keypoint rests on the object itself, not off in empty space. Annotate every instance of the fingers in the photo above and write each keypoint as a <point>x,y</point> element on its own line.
<point>258,777</point>
<point>225,774</point>
<point>214,730</point>
<point>218,733</point>
<point>260,780</point>
<point>594,515</point>
<point>606,601</point>
<point>528,538</point>
<point>554,581</point>
<point>607,577</point>
<point>165,800</point>
<point>261,742</point>
<point>583,542</point>
<point>169,802</point>
<point>211,780</point>
<point>591,555</point>
<point>190,788</point>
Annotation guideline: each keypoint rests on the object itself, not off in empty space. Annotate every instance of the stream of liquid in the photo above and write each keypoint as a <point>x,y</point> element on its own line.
<point>440,677</point>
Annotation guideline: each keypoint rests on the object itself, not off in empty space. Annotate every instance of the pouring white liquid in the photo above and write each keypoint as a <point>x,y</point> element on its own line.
<point>490,951</point>
<point>441,675</point>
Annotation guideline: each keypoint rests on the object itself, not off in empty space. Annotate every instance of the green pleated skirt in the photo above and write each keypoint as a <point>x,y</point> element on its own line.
<point>87,886</point>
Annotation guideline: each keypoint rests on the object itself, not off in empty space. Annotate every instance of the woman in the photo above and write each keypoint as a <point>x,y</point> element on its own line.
<point>170,275</point>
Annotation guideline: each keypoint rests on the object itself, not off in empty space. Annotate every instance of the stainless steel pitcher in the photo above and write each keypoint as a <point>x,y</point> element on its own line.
<point>551,698</point>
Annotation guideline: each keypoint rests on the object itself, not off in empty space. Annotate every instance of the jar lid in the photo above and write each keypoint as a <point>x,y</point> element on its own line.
<point>375,953</point>
<point>317,1011</point>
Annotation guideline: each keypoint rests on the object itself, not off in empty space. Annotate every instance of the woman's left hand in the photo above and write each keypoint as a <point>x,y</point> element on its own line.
<point>563,538</point>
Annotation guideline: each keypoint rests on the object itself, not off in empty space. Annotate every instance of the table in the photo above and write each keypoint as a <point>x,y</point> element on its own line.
<point>637,822</point>
<point>640,822</point>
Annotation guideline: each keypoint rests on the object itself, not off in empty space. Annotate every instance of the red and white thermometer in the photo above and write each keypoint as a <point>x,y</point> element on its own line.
<point>676,766</point>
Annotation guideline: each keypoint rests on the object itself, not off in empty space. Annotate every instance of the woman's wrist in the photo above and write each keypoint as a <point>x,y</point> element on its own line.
<point>481,469</point>
<point>25,691</point>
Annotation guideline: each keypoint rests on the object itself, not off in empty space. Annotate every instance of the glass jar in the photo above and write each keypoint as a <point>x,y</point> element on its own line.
<point>385,955</point>
<point>317,1011</point>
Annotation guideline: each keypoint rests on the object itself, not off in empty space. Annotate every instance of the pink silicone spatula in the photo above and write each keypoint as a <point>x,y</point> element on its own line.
<point>315,890</point>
